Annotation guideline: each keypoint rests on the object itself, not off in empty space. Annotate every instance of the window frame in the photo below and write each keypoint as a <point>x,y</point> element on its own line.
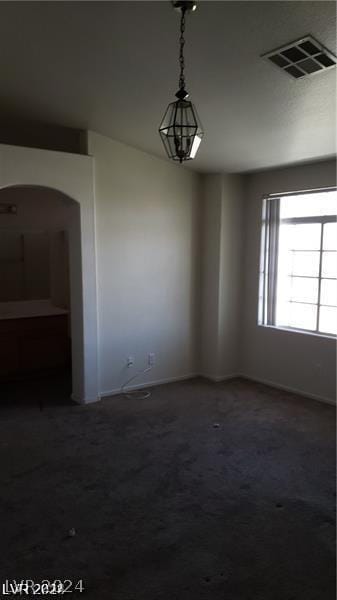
<point>268,274</point>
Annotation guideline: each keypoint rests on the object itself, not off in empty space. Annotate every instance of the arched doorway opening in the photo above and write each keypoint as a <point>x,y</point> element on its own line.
<point>69,178</point>
<point>40,283</point>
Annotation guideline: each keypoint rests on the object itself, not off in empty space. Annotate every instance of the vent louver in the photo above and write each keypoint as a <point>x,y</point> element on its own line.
<point>302,58</point>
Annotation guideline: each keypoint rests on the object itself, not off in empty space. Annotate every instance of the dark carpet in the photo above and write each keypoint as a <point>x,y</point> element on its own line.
<point>202,492</point>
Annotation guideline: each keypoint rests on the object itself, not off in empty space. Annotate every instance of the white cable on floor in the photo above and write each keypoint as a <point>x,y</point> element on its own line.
<point>136,394</point>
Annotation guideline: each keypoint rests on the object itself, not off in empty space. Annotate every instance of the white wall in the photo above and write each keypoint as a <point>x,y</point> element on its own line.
<point>147,220</point>
<point>221,275</point>
<point>300,361</point>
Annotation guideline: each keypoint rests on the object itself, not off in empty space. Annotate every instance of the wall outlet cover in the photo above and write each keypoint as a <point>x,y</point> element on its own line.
<point>151,358</point>
<point>130,361</point>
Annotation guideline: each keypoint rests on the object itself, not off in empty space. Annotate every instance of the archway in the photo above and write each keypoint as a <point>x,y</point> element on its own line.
<point>71,177</point>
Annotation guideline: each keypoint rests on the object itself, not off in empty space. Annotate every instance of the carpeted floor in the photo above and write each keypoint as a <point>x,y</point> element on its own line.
<point>202,492</point>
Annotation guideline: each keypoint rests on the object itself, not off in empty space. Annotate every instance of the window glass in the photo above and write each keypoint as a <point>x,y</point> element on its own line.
<point>329,264</point>
<point>302,316</point>
<point>330,236</point>
<point>304,289</point>
<point>328,319</point>
<point>329,292</point>
<point>298,277</point>
<point>309,205</point>
<point>304,236</point>
<point>304,263</point>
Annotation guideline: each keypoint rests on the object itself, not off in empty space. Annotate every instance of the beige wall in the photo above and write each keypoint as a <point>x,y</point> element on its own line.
<point>210,275</point>
<point>300,361</point>
<point>153,239</point>
<point>153,236</point>
<point>147,212</point>
<point>231,279</point>
<point>221,274</point>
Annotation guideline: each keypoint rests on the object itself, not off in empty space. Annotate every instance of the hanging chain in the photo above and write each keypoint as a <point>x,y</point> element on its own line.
<point>181,53</point>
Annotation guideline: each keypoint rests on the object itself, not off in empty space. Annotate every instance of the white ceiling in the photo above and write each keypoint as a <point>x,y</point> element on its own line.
<point>112,67</point>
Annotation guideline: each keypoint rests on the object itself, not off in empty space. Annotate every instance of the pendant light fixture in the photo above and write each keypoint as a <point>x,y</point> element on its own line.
<point>180,129</point>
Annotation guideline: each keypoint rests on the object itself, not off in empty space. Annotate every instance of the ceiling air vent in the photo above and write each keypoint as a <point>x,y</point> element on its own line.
<point>302,58</point>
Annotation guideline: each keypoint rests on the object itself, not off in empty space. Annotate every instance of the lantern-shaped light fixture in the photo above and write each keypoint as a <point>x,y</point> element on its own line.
<point>180,129</point>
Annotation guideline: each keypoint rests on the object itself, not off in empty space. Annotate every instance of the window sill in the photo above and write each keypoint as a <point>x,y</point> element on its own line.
<point>329,336</point>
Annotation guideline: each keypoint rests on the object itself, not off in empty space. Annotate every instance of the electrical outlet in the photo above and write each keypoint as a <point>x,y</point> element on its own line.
<point>151,359</point>
<point>130,361</point>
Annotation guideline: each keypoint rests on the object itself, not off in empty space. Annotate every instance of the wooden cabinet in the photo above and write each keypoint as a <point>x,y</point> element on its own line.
<point>32,345</point>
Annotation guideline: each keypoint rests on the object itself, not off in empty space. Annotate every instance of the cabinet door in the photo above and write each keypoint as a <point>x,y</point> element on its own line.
<point>43,352</point>
<point>9,355</point>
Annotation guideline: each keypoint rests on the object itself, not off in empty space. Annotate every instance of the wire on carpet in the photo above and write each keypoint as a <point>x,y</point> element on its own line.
<point>136,394</point>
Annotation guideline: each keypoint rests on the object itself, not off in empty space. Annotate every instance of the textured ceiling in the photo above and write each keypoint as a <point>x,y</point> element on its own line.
<point>112,67</point>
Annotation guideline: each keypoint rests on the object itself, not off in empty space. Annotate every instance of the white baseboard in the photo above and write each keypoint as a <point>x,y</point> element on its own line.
<point>219,378</point>
<point>286,388</point>
<point>83,400</point>
<point>154,382</point>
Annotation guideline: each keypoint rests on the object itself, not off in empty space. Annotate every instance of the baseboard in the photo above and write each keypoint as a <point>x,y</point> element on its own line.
<point>83,400</point>
<point>286,388</point>
<point>217,379</point>
<point>154,382</point>
<point>220,378</point>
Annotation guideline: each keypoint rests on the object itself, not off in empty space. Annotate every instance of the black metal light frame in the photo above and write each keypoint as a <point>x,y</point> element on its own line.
<point>181,130</point>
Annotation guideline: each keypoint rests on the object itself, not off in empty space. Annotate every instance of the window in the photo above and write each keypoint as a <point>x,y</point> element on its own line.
<point>298,272</point>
